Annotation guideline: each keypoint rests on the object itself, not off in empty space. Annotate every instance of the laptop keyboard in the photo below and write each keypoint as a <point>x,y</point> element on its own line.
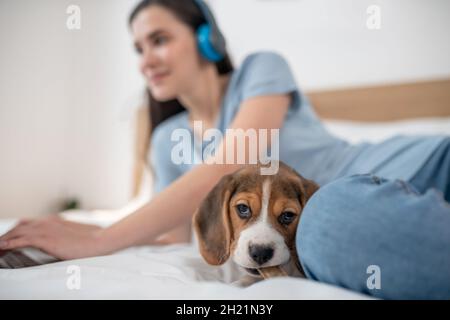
<point>13,259</point>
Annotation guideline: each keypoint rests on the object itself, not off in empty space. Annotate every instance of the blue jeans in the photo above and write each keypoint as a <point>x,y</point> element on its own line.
<point>385,238</point>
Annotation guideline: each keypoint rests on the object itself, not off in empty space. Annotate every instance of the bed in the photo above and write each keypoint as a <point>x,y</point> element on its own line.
<point>178,271</point>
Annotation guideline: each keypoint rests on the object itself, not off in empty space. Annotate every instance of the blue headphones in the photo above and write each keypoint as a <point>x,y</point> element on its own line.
<point>210,40</point>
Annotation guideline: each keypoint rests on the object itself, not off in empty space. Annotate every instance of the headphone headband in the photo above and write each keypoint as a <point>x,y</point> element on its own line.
<point>211,42</point>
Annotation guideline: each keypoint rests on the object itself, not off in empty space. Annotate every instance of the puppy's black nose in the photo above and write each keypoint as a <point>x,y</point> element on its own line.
<point>260,254</point>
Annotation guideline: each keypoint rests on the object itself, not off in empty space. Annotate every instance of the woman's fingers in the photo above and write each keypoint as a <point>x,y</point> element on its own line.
<point>13,243</point>
<point>15,232</point>
<point>57,237</point>
<point>20,242</point>
<point>45,226</point>
<point>31,230</point>
<point>19,227</point>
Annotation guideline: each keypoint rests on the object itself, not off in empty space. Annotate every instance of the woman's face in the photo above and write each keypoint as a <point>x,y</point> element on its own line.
<point>169,59</point>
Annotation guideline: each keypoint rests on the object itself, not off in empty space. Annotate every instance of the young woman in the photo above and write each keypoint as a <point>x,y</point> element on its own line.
<point>355,223</point>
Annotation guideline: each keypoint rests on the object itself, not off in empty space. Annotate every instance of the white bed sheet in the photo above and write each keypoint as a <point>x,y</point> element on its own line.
<point>178,271</point>
<point>356,132</point>
<point>167,272</point>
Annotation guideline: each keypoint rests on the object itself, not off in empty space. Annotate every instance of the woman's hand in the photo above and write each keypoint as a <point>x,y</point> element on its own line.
<point>60,238</point>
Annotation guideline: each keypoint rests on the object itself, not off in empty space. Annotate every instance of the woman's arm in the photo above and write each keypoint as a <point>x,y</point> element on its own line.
<point>172,207</point>
<point>163,213</point>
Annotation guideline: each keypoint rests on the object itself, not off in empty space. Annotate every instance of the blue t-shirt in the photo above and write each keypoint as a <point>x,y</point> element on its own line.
<point>305,144</point>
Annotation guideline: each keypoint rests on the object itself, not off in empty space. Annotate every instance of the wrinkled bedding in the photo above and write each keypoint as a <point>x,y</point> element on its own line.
<point>178,271</point>
<point>166,272</point>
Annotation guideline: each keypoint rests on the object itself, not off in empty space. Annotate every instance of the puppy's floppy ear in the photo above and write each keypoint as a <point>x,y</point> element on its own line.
<point>310,188</point>
<point>212,222</point>
<point>305,186</point>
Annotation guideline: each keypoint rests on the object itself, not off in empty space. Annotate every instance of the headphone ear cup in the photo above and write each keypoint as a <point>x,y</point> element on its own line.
<point>205,46</point>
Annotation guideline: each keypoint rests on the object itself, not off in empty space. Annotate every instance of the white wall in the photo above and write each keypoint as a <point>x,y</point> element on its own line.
<point>329,45</point>
<point>66,100</point>
<point>67,97</point>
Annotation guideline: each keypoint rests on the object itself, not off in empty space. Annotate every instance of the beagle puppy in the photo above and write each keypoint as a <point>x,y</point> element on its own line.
<point>253,219</point>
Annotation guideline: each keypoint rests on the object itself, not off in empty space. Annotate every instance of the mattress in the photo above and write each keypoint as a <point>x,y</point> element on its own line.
<point>178,271</point>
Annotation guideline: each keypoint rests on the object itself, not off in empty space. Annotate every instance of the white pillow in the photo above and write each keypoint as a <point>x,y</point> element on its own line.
<point>356,132</point>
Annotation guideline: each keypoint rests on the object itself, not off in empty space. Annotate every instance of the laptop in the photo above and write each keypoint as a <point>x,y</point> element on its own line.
<point>23,258</point>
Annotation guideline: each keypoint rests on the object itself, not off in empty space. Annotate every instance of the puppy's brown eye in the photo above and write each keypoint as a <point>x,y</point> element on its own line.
<point>286,218</point>
<point>243,211</point>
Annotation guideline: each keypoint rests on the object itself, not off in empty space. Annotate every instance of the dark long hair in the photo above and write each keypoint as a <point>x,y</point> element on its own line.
<point>158,111</point>
<point>189,13</point>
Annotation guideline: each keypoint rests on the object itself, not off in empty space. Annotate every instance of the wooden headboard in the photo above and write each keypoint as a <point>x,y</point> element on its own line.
<point>385,103</point>
<point>379,103</point>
